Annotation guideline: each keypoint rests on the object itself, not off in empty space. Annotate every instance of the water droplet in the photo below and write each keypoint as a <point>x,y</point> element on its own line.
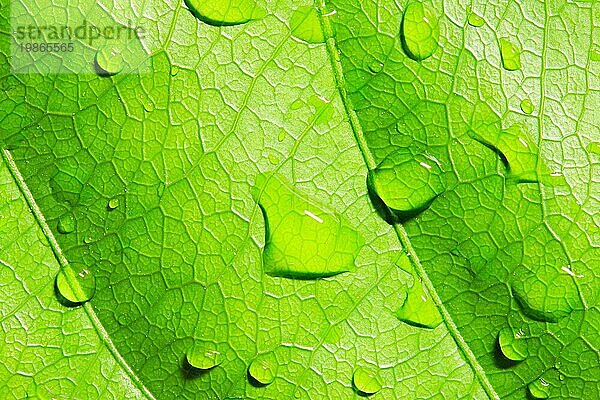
<point>76,283</point>
<point>476,20</point>
<point>306,25</point>
<point>88,239</point>
<point>303,239</point>
<point>322,108</point>
<point>518,152</point>
<point>527,106</point>
<point>407,183</point>
<point>375,67</point>
<point>281,136</point>
<point>263,368</point>
<point>418,308</point>
<point>420,31</point>
<point>109,60</point>
<point>593,147</point>
<point>148,105</point>
<point>366,380</point>
<point>595,54</point>
<point>546,294</point>
<point>297,104</point>
<point>273,159</point>
<point>539,389</point>
<point>512,344</point>
<point>174,70</point>
<point>511,55</point>
<point>113,203</point>
<point>41,237</point>
<point>203,355</point>
<point>225,12</point>
<point>66,223</point>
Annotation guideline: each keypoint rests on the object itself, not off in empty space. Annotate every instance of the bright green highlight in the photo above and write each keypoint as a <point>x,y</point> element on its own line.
<point>203,355</point>
<point>263,368</point>
<point>76,283</point>
<point>109,60</point>
<point>595,54</point>
<point>593,147</point>
<point>511,55</point>
<point>475,20</point>
<point>66,223</point>
<point>527,106</point>
<point>407,183</point>
<point>303,240</point>
<point>225,12</point>
<point>547,294</point>
<point>420,31</point>
<point>306,25</point>
<point>512,344</point>
<point>418,308</point>
<point>516,148</point>
<point>367,380</point>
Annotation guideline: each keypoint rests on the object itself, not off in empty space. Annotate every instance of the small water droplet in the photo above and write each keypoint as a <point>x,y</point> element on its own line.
<point>420,31</point>
<point>113,203</point>
<point>375,67</point>
<point>306,25</point>
<point>367,380</point>
<point>418,308</point>
<point>88,239</point>
<point>593,147</point>
<point>148,105</point>
<point>539,389</point>
<point>281,136</point>
<point>273,159</point>
<point>66,223</point>
<point>407,183</point>
<point>225,12</point>
<point>109,60</point>
<point>527,106</point>
<point>512,344</point>
<point>511,55</point>
<point>595,54</point>
<point>322,108</point>
<point>203,355</point>
<point>517,150</point>
<point>263,368</point>
<point>303,239</point>
<point>476,20</point>
<point>174,70</point>
<point>76,283</point>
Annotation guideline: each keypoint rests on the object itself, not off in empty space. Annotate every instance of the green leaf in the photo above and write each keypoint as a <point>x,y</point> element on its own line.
<point>181,191</point>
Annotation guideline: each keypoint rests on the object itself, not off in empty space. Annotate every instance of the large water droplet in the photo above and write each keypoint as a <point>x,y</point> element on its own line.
<point>527,106</point>
<point>109,60</point>
<point>263,368</point>
<point>66,223</point>
<point>225,12</point>
<point>476,20</point>
<point>546,294</point>
<point>539,389</point>
<point>367,380</point>
<point>418,308</point>
<point>511,55</point>
<point>512,344</point>
<point>407,183</point>
<point>203,355</point>
<point>75,283</point>
<point>306,25</point>
<point>303,239</point>
<point>517,150</point>
<point>420,31</point>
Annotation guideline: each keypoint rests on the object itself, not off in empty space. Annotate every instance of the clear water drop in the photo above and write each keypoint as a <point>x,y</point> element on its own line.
<point>281,136</point>
<point>323,109</point>
<point>225,12</point>
<point>273,159</point>
<point>306,25</point>
<point>420,31</point>
<point>367,380</point>
<point>527,106</point>
<point>475,20</point>
<point>539,389</point>
<point>76,283</point>
<point>511,55</point>
<point>595,54</point>
<point>593,147</point>
<point>263,368</point>
<point>418,308</point>
<point>66,223</point>
<point>512,344</point>
<point>203,355</point>
<point>517,150</point>
<point>109,60</point>
<point>407,183</point>
<point>304,240</point>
